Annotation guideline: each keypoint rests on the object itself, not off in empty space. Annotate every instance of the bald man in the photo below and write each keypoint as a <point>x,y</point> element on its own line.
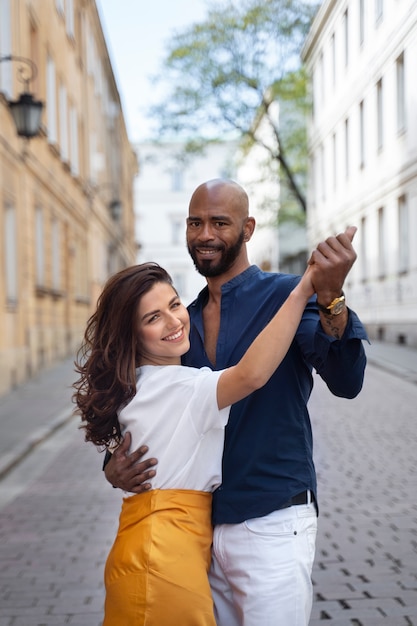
<point>265,511</point>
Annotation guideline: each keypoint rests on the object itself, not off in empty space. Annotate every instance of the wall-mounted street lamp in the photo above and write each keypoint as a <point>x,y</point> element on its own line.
<point>114,205</point>
<point>116,208</point>
<point>26,111</point>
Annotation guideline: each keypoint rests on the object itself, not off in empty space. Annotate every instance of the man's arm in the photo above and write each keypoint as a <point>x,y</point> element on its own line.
<point>335,257</point>
<point>123,470</point>
<point>334,346</point>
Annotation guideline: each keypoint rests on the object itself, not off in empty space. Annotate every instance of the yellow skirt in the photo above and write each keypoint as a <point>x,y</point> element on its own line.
<point>157,571</point>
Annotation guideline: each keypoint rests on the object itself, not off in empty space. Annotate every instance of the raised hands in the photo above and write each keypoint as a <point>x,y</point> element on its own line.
<point>330,263</point>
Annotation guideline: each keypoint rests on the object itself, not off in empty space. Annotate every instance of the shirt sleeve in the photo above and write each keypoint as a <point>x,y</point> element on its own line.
<point>339,362</point>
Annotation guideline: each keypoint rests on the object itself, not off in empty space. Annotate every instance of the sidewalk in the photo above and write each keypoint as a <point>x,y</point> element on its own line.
<point>34,410</point>
<point>394,358</point>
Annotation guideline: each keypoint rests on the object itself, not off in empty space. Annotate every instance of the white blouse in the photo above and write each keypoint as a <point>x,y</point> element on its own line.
<point>175,413</point>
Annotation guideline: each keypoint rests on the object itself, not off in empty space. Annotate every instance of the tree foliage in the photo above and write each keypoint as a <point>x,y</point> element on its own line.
<point>225,75</point>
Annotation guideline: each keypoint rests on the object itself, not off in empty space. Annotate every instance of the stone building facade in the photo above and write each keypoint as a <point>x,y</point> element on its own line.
<point>363,153</point>
<point>66,195</point>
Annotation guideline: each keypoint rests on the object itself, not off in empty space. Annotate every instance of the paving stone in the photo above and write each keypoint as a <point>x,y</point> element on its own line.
<point>366,552</point>
<point>55,535</point>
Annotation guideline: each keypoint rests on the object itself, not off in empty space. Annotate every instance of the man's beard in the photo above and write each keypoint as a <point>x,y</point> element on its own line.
<point>228,257</point>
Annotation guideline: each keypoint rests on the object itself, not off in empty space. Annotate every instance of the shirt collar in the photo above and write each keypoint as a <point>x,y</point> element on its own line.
<point>227,287</point>
<point>240,278</point>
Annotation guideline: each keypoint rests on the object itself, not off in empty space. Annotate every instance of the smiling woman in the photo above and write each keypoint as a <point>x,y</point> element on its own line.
<point>164,326</point>
<point>131,379</point>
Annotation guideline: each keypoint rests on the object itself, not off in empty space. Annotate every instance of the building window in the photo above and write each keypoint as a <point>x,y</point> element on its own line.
<point>322,180</point>
<point>34,54</point>
<point>314,93</point>
<point>403,235</point>
<point>347,148</point>
<point>177,180</point>
<point>382,252</point>
<point>177,230</point>
<point>401,112</point>
<point>51,100</point>
<point>379,11</point>
<point>56,255</point>
<point>361,135</point>
<point>10,254</point>
<point>39,247</point>
<point>69,17</point>
<point>75,167</point>
<point>333,59</point>
<point>5,47</point>
<point>81,275</point>
<point>63,122</point>
<point>380,114</point>
<point>363,256</point>
<point>346,36</point>
<point>178,278</point>
<point>313,179</point>
<point>320,78</point>
<point>334,159</point>
<point>361,22</point>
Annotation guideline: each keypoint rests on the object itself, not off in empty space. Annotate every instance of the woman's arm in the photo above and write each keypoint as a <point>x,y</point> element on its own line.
<point>329,263</point>
<point>266,352</point>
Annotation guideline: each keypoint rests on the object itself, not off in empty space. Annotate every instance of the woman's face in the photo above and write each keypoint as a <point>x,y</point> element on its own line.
<point>163,325</point>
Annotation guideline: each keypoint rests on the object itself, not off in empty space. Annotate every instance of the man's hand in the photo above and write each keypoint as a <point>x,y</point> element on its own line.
<point>330,263</point>
<point>126,472</point>
<point>333,260</point>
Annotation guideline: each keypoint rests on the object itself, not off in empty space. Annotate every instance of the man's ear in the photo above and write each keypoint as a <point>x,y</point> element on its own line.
<point>248,228</point>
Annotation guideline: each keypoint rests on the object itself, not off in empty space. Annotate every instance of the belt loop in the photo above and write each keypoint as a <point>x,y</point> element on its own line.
<point>309,496</point>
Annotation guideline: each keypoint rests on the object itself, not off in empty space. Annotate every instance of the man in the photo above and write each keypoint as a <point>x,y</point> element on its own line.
<point>265,511</point>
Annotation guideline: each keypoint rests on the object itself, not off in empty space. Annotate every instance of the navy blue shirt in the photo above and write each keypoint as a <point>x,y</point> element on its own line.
<point>268,453</point>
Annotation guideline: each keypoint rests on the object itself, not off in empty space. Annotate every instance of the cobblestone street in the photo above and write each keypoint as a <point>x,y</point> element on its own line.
<point>55,536</point>
<point>365,451</point>
<point>58,517</point>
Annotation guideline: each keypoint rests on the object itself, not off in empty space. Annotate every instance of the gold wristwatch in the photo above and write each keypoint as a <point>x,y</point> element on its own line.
<point>335,307</point>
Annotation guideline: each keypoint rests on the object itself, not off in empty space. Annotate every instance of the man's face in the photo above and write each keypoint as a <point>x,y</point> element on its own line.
<point>205,259</point>
<point>214,240</point>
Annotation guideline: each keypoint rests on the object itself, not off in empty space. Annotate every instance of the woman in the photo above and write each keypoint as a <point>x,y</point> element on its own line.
<point>131,378</point>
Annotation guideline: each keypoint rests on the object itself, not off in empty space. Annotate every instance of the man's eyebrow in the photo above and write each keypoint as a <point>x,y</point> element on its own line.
<point>213,218</point>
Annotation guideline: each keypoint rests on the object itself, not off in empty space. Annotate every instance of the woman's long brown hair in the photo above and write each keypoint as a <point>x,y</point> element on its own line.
<point>111,351</point>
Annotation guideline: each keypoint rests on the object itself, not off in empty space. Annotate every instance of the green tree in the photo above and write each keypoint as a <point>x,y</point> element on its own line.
<point>225,76</point>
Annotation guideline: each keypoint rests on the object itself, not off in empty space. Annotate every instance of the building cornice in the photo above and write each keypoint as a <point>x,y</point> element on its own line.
<point>317,27</point>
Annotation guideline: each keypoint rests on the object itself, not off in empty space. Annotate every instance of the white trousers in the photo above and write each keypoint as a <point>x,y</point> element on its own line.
<point>261,569</point>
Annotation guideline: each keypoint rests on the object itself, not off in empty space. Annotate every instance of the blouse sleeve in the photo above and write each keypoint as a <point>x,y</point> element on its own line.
<point>203,405</point>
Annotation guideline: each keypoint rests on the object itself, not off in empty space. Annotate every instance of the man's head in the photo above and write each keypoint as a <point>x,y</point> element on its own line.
<point>218,227</point>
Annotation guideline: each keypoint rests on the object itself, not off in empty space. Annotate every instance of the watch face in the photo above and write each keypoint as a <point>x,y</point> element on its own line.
<point>338,308</point>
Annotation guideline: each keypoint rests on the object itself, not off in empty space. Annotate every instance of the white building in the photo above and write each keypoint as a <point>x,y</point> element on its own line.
<point>361,55</point>
<point>163,190</point>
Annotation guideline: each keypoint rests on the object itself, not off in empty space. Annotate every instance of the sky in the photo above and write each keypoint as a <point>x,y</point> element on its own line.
<point>136,32</point>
